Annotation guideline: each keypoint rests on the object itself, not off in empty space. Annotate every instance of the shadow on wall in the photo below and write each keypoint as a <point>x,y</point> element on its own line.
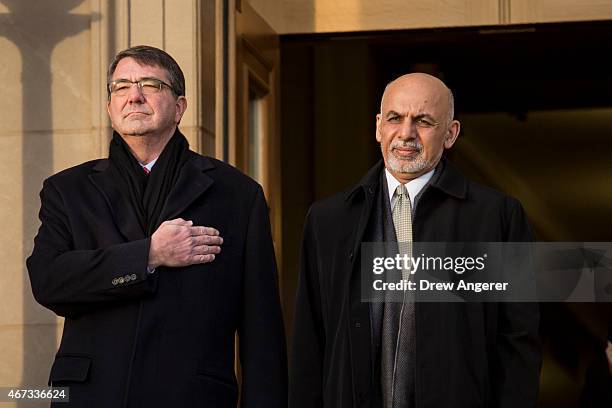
<point>36,28</point>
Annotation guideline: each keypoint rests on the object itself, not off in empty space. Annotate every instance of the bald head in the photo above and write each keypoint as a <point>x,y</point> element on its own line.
<point>430,88</point>
<point>415,125</point>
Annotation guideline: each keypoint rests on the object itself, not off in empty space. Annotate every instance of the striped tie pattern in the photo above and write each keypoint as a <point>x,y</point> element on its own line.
<point>402,220</point>
<point>398,332</point>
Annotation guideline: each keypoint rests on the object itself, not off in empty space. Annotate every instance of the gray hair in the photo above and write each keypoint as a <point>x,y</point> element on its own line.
<point>151,56</point>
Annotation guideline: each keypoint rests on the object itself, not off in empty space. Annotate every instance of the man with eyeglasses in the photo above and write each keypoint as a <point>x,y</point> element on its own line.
<point>157,257</point>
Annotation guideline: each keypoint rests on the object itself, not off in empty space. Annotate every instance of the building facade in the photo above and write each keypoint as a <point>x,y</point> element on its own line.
<point>53,108</point>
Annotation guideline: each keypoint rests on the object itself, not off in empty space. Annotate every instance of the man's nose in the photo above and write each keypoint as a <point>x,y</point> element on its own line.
<point>407,130</point>
<point>135,94</point>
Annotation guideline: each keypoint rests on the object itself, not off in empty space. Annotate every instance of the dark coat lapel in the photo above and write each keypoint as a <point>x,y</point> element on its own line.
<point>366,187</point>
<point>360,202</point>
<point>192,183</point>
<point>121,208</point>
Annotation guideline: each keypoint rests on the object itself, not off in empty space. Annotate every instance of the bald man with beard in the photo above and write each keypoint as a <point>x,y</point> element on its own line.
<point>349,353</point>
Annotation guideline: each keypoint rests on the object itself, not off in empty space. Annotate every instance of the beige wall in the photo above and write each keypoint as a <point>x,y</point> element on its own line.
<point>545,11</point>
<point>320,16</point>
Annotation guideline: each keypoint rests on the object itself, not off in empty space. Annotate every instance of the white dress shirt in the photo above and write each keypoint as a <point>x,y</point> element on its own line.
<point>413,187</point>
<point>149,166</point>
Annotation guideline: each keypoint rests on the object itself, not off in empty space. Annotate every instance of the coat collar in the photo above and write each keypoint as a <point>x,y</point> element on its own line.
<point>450,180</point>
<point>369,182</point>
<point>446,179</point>
<point>191,184</point>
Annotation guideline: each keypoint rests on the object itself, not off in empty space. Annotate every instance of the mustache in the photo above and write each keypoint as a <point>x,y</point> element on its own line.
<point>407,145</point>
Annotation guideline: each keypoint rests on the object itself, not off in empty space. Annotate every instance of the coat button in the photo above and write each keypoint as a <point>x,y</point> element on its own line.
<point>134,276</point>
<point>121,280</point>
<point>127,278</point>
<point>115,281</point>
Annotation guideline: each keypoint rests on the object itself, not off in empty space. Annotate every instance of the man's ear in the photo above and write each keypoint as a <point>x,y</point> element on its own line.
<point>108,102</point>
<point>452,134</point>
<point>378,119</point>
<point>181,107</point>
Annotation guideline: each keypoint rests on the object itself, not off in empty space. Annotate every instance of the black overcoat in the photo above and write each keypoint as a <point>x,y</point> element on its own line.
<point>134,339</point>
<point>467,354</point>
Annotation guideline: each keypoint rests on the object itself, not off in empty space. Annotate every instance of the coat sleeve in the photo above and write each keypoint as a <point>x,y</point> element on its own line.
<point>73,282</point>
<point>261,335</point>
<point>308,345</point>
<point>515,379</point>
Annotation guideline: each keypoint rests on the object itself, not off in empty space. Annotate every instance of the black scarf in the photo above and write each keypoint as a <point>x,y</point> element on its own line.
<point>148,193</point>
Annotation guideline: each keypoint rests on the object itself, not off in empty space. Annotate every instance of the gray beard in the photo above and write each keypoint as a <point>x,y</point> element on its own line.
<point>415,165</point>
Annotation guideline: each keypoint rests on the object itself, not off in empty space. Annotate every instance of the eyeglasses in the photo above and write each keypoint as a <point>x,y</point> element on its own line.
<point>147,86</point>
